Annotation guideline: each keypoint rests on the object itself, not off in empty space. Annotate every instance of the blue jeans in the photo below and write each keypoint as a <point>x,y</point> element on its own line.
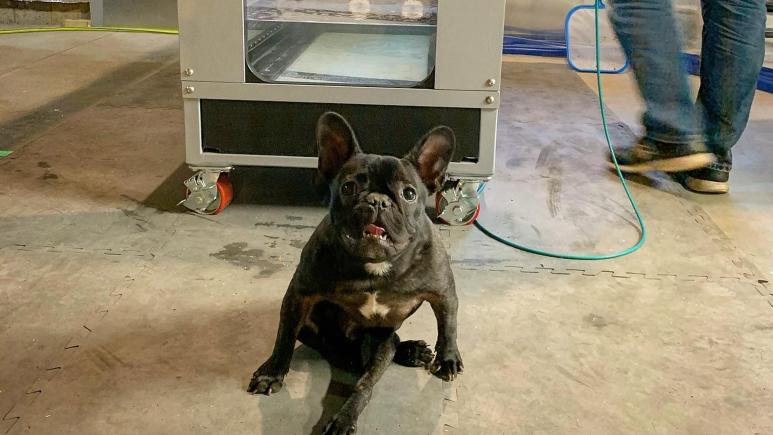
<point>731,58</point>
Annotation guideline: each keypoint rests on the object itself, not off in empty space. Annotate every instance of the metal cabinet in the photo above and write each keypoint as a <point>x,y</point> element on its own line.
<point>256,74</point>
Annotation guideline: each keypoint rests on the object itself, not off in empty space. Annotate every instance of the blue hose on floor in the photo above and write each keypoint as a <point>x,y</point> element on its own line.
<point>637,212</point>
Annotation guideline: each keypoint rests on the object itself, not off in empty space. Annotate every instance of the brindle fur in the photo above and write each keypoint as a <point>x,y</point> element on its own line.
<point>325,306</point>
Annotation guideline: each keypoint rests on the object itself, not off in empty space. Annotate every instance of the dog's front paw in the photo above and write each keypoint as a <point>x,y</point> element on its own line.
<point>447,364</point>
<point>341,424</point>
<point>265,382</point>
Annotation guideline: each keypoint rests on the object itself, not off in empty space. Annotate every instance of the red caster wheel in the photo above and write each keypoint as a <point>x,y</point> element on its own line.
<point>225,193</point>
<point>208,192</point>
<point>455,209</point>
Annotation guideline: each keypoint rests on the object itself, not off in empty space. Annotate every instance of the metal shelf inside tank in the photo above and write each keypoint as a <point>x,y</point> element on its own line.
<point>324,41</point>
<point>358,12</point>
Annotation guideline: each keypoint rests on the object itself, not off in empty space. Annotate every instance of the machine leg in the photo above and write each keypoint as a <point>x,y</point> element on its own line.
<point>458,203</point>
<point>208,191</point>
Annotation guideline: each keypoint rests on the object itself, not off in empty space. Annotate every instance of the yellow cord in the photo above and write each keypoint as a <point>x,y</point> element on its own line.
<point>90,29</point>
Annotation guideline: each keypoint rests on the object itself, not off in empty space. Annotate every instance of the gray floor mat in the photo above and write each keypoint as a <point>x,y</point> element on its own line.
<point>171,312</point>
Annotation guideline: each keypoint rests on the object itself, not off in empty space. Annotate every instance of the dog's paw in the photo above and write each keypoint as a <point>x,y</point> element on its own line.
<point>341,424</point>
<point>414,354</point>
<point>447,365</point>
<point>264,383</point>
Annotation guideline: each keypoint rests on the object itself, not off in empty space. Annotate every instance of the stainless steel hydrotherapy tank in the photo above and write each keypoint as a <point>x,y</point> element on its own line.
<point>256,75</point>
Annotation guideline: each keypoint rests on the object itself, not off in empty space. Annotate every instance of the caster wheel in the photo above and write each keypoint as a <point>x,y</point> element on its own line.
<point>225,193</point>
<point>462,212</point>
<point>208,195</point>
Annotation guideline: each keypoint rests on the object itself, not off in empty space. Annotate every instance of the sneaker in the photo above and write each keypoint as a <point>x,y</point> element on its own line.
<point>648,155</point>
<point>711,179</point>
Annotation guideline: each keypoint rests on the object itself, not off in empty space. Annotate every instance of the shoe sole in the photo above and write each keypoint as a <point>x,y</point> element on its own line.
<point>706,186</point>
<point>675,164</point>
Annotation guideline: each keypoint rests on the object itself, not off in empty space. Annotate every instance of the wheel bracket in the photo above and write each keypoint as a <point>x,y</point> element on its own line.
<point>202,190</point>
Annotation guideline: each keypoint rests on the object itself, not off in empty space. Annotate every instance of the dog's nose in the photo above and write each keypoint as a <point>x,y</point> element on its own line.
<point>378,200</point>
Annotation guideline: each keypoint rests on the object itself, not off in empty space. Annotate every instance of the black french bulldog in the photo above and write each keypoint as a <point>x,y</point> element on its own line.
<point>373,260</point>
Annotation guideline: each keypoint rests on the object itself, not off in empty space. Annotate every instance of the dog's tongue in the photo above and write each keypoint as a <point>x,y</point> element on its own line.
<point>374,229</point>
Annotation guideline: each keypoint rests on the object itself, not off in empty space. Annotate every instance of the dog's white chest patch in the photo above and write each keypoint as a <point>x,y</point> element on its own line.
<point>372,308</point>
<point>378,269</point>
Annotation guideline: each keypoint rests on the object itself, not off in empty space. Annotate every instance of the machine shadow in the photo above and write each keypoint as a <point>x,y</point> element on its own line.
<point>252,185</point>
<point>277,186</point>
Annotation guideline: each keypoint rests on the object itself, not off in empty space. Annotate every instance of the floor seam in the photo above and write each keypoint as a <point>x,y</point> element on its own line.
<point>711,229</point>
<point>55,248</point>
<point>449,411</point>
<point>463,264</point>
<point>605,272</point>
<point>68,351</point>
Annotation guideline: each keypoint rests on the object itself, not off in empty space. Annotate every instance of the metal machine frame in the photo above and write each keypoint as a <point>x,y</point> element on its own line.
<point>212,58</point>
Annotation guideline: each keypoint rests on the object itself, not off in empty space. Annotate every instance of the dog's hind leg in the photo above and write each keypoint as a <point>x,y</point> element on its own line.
<point>337,350</point>
<point>325,333</point>
<point>414,354</point>
<point>378,350</point>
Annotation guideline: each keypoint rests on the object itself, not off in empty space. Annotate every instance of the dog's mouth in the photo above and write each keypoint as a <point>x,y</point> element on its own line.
<point>373,231</point>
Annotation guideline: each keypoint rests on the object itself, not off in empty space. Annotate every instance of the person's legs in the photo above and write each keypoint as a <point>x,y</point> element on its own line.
<point>648,32</point>
<point>731,59</point>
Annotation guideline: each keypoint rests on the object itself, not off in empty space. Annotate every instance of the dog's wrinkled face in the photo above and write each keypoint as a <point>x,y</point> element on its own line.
<point>377,202</point>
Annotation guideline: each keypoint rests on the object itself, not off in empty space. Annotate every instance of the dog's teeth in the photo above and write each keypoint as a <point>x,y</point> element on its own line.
<point>374,236</point>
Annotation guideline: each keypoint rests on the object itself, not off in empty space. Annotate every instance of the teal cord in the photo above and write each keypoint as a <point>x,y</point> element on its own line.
<point>589,257</point>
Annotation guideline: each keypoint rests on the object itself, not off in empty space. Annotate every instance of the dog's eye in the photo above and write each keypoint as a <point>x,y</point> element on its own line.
<point>409,193</point>
<point>349,188</point>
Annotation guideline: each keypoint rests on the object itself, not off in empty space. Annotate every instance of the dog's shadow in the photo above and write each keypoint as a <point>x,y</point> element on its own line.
<point>335,391</point>
<point>308,381</point>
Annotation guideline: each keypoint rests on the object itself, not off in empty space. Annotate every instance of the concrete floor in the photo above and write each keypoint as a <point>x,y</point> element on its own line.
<point>120,313</point>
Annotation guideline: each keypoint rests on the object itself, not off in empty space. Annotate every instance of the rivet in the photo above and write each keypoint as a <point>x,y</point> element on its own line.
<point>188,72</point>
<point>491,82</point>
<point>490,100</point>
<point>190,89</point>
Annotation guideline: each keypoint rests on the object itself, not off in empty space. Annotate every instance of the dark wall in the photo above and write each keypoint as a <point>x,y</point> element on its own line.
<point>45,6</point>
<point>135,13</point>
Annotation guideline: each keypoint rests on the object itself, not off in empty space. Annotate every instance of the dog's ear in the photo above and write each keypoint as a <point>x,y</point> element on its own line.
<point>336,144</point>
<point>432,155</point>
